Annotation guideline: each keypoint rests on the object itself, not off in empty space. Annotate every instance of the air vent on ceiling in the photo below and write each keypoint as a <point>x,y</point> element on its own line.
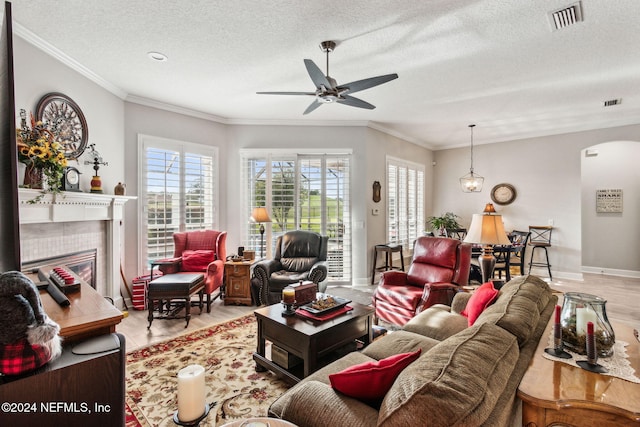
<point>612,102</point>
<point>567,16</point>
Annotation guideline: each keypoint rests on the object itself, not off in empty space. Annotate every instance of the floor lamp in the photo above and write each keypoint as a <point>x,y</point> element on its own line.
<point>260,215</point>
<point>487,229</point>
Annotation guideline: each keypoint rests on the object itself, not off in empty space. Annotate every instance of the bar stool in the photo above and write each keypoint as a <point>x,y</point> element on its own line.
<point>540,238</point>
<point>388,249</point>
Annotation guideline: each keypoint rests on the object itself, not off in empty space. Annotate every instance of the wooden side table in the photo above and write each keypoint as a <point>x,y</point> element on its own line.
<point>237,282</point>
<point>554,393</point>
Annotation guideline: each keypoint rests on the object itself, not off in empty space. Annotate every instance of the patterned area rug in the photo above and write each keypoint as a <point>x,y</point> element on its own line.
<point>225,351</point>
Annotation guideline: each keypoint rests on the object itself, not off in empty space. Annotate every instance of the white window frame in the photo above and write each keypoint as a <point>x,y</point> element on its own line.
<point>295,156</point>
<point>183,147</point>
<point>412,222</point>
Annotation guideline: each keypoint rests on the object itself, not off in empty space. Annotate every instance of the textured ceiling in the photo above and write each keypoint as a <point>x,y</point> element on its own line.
<point>495,63</point>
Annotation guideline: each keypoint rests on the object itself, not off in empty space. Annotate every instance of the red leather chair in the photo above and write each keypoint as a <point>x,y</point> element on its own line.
<point>439,267</point>
<point>202,251</point>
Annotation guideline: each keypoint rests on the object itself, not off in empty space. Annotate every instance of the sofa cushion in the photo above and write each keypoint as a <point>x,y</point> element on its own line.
<point>481,299</point>
<point>437,322</point>
<point>450,384</point>
<point>517,308</point>
<point>197,260</point>
<point>398,342</point>
<point>533,288</point>
<point>370,381</point>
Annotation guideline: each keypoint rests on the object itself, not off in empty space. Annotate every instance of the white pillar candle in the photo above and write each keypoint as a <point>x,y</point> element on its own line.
<point>583,316</point>
<point>191,396</point>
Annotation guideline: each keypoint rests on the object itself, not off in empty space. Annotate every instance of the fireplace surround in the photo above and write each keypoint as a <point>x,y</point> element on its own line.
<point>70,222</point>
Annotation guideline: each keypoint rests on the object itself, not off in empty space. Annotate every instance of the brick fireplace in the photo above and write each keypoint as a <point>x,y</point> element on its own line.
<point>68,223</point>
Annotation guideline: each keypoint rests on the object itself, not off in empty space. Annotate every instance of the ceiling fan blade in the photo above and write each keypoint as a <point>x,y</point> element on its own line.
<point>367,83</point>
<point>286,93</point>
<point>355,102</point>
<point>316,74</point>
<point>315,104</point>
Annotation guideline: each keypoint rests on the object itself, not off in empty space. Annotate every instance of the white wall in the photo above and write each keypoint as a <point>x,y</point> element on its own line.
<point>546,174</point>
<point>611,242</point>
<point>37,74</point>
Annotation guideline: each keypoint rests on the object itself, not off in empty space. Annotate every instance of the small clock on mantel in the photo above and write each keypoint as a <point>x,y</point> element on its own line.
<point>503,194</point>
<point>70,179</point>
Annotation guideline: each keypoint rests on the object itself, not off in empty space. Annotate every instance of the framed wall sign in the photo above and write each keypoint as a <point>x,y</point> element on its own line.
<point>609,200</point>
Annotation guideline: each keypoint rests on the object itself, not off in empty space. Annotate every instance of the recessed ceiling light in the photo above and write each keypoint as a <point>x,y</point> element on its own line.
<point>157,56</point>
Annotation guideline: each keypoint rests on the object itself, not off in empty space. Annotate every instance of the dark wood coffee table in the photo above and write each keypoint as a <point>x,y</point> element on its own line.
<point>312,341</point>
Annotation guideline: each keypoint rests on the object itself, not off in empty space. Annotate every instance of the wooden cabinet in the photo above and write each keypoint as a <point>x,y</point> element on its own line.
<point>237,280</point>
<point>72,390</point>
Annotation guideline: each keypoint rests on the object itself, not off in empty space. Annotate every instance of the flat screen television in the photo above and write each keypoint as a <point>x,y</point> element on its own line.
<point>9,212</point>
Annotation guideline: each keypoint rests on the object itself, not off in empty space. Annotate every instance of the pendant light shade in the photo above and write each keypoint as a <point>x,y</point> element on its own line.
<point>471,182</point>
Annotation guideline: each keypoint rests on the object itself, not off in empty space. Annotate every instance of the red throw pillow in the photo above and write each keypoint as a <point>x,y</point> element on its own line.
<point>196,260</point>
<point>481,299</point>
<point>370,381</point>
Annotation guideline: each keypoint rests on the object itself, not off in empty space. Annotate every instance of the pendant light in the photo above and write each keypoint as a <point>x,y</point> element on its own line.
<point>471,182</point>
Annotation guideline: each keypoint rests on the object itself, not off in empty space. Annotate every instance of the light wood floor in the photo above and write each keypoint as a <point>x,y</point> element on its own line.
<point>622,295</point>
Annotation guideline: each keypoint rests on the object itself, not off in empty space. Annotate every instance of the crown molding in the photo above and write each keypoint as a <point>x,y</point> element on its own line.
<point>57,54</point>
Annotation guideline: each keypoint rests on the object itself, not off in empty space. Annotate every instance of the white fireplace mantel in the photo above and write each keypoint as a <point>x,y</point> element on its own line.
<point>71,206</point>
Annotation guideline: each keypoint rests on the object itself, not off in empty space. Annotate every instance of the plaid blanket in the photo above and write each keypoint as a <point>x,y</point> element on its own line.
<point>20,357</point>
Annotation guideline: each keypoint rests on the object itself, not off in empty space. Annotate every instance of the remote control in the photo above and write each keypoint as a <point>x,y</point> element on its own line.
<point>57,295</point>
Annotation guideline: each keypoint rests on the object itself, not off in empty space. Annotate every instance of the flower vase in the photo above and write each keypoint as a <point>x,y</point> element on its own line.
<point>33,177</point>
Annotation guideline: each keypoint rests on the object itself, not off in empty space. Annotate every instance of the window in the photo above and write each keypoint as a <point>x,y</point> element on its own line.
<point>405,201</point>
<point>178,192</point>
<point>301,191</point>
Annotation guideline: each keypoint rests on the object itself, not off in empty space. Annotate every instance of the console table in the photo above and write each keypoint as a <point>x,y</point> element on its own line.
<point>557,393</point>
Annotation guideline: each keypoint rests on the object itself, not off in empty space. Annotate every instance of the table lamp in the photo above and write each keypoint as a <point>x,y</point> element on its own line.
<point>260,215</point>
<point>487,229</point>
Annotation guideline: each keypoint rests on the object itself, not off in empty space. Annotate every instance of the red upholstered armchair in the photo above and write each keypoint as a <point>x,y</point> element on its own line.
<point>438,268</point>
<point>199,251</point>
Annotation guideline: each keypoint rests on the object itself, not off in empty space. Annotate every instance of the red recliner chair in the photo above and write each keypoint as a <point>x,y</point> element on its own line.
<point>202,251</point>
<point>439,267</point>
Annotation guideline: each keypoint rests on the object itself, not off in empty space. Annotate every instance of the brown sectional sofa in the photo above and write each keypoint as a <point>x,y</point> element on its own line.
<point>465,376</point>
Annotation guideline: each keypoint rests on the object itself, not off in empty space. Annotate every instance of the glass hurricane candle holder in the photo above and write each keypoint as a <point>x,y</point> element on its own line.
<point>578,309</point>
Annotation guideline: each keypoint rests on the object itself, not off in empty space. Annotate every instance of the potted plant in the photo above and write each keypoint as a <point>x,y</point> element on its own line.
<point>439,224</point>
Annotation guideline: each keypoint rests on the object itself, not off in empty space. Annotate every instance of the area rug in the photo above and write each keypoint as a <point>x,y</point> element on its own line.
<point>234,389</point>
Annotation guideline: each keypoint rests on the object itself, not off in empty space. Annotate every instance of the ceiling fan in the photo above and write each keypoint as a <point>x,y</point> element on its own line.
<point>328,90</point>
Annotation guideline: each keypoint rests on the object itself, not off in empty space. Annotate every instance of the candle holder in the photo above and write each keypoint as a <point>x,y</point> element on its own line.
<point>577,310</point>
<point>591,364</point>
<point>288,301</point>
<point>288,309</point>
<point>558,346</point>
<point>193,423</point>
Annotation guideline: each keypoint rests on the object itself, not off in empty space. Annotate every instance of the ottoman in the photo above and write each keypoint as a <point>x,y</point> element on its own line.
<point>179,286</point>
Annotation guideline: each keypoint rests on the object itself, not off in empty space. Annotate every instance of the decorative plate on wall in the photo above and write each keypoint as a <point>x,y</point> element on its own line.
<point>62,116</point>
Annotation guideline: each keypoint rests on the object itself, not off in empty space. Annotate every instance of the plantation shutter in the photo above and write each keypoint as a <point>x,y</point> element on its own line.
<point>178,191</point>
<point>405,201</point>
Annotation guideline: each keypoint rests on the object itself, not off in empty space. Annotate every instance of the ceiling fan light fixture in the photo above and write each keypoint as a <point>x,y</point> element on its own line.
<point>471,182</point>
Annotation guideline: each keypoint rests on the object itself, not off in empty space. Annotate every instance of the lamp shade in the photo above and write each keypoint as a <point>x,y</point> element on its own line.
<point>260,215</point>
<point>487,230</point>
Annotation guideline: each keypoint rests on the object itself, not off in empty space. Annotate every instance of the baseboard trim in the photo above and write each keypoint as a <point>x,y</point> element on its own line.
<point>611,272</point>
